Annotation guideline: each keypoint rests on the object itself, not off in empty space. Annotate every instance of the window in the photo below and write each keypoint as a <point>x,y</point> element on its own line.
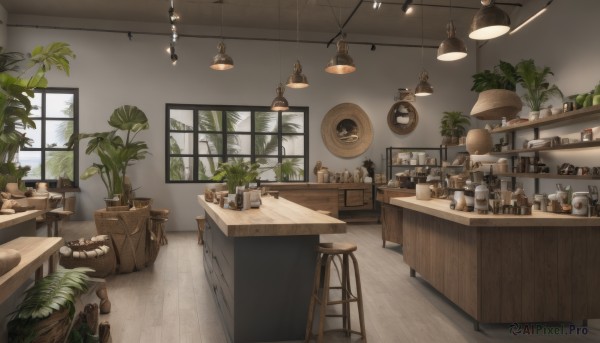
<point>199,137</point>
<point>55,113</point>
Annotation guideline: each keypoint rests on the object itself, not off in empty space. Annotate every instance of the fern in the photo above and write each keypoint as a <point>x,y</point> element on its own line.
<point>52,293</point>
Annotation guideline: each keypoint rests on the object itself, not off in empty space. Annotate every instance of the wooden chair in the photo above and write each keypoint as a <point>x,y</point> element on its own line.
<point>128,231</point>
<point>326,254</point>
<point>201,221</point>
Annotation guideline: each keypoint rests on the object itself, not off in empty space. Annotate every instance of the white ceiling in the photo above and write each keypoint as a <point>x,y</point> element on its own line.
<point>320,16</point>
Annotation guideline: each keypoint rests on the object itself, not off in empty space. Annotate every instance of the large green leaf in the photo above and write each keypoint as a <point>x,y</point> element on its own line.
<point>129,118</point>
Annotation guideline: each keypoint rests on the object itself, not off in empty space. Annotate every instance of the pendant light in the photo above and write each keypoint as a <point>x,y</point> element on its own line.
<point>221,61</point>
<point>489,22</point>
<point>280,103</point>
<point>451,48</point>
<point>297,79</point>
<point>341,63</point>
<point>423,87</point>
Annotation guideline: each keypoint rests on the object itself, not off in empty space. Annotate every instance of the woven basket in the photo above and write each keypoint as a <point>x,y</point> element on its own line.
<point>54,328</point>
<point>89,245</point>
<point>103,265</point>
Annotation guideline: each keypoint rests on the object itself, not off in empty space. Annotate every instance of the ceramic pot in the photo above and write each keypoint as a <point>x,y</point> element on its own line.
<point>479,141</point>
<point>493,104</point>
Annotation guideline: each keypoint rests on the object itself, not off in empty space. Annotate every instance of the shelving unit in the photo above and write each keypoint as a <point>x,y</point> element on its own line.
<point>581,115</point>
<point>442,151</point>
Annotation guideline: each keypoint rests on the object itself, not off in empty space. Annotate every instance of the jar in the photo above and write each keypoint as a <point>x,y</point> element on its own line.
<point>579,204</point>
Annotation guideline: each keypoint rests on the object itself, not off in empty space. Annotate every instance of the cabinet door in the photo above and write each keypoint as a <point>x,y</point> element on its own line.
<point>354,197</point>
<point>391,223</point>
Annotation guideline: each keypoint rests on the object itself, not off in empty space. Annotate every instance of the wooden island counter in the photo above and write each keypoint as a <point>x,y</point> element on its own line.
<point>542,267</point>
<point>260,265</point>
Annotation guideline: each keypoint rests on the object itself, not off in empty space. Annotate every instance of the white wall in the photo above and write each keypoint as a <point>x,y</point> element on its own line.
<point>565,38</point>
<point>111,71</point>
<point>3,33</point>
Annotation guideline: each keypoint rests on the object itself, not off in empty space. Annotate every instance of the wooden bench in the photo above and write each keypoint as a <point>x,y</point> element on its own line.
<point>34,252</point>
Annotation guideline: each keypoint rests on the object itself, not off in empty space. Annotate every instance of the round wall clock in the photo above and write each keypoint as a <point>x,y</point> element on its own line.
<point>402,118</point>
<point>346,130</point>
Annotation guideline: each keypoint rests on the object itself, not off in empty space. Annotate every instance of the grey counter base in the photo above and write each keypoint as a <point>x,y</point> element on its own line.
<point>262,285</point>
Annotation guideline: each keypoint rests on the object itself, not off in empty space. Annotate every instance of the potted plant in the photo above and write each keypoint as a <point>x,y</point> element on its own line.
<point>117,150</point>
<point>17,86</point>
<point>453,125</point>
<point>496,88</point>
<point>534,81</point>
<point>48,307</point>
<point>236,172</point>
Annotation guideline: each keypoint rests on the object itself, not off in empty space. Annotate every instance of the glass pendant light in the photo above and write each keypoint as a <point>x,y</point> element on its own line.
<point>221,61</point>
<point>423,87</point>
<point>280,103</point>
<point>451,48</point>
<point>341,63</point>
<point>297,79</point>
<point>489,22</point>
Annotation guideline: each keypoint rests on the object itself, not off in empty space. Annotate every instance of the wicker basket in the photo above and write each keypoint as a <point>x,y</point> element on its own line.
<point>89,245</point>
<point>103,265</point>
<point>54,328</point>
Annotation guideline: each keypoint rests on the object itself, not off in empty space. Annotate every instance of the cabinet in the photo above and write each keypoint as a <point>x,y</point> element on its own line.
<point>440,154</point>
<point>391,215</point>
<point>582,115</point>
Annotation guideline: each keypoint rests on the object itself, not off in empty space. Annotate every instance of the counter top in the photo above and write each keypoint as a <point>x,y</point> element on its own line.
<point>314,185</point>
<point>275,217</point>
<point>441,209</point>
<point>8,220</point>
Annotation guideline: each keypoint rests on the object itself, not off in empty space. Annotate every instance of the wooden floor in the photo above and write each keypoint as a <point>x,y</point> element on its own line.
<point>171,302</point>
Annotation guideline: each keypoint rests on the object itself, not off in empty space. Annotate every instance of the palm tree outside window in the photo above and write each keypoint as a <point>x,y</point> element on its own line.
<point>199,137</point>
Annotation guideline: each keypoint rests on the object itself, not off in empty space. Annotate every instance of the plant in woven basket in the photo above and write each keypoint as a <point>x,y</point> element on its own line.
<point>48,307</point>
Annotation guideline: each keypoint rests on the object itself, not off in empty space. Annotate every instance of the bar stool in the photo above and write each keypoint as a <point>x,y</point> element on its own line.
<point>159,217</point>
<point>200,220</point>
<point>326,254</point>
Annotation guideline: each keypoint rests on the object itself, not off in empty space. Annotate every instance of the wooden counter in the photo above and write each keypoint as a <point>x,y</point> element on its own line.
<point>275,217</point>
<point>391,216</point>
<point>260,265</point>
<point>505,268</point>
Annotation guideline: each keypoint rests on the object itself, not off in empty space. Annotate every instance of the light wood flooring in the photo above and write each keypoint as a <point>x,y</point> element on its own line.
<point>171,302</point>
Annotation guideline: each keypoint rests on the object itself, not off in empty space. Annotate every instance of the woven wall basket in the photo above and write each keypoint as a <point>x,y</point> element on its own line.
<point>494,104</point>
<point>346,130</point>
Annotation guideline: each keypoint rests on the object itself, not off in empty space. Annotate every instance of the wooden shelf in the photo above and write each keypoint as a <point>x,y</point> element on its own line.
<point>578,145</point>
<point>584,114</point>
<point>550,176</point>
<point>415,165</point>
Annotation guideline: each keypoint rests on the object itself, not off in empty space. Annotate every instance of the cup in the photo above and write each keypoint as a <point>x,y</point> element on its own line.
<point>422,191</point>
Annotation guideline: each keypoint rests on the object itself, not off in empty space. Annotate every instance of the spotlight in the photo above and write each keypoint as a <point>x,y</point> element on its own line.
<point>376,4</point>
<point>173,17</point>
<point>373,47</point>
<point>174,37</point>
<point>174,58</point>
<point>405,6</point>
<point>130,35</point>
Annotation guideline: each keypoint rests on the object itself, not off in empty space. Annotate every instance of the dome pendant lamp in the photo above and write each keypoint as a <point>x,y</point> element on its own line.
<point>341,63</point>
<point>297,79</point>
<point>221,61</point>
<point>489,22</point>
<point>280,103</point>
<point>451,48</point>
<point>423,87</point>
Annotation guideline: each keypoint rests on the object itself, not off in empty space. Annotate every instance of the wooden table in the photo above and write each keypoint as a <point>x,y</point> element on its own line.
<point>17,225</point>
<point>505,268</point>
<point>260,265</point>
<point>34,252</point>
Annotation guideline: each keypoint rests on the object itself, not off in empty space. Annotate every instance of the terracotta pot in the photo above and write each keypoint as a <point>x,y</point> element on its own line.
<point>479,141</point>
<point>494,104</point>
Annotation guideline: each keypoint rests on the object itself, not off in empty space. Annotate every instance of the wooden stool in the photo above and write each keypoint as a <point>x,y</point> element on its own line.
<point>326,254</point>
<point>53,218</point>
<point>327,213</point>
<point>159,217</point>
<point>200,220</point>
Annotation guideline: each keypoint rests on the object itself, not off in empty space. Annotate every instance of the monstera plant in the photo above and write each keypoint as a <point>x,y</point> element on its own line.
<point>19,77</point>
<point>116,149</point>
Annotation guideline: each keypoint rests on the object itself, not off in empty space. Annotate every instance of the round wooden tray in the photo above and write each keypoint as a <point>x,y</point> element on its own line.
<point>409,118</point>
<point>346,130</point>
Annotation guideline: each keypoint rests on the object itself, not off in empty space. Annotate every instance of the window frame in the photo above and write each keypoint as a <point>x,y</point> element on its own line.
<point>43,121</point>
<point>224,154</point>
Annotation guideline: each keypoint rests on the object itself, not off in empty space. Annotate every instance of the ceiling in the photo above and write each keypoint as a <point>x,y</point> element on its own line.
<point>320,16</point>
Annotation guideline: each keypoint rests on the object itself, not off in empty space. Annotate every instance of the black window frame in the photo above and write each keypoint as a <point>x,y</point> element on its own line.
<point>224,155</point>
<point>43,149</point>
